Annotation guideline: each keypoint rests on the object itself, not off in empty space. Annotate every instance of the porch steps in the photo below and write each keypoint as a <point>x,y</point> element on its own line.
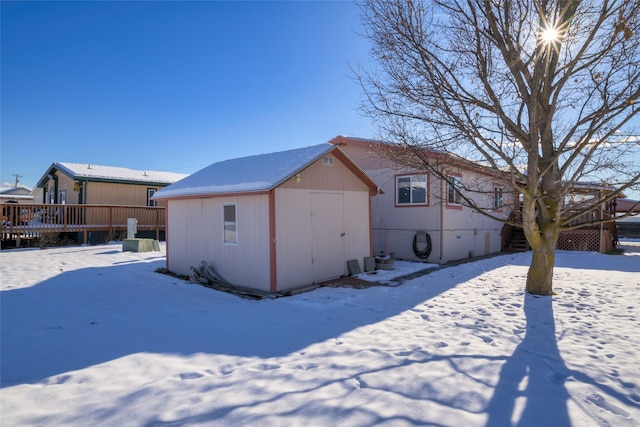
<point>517,242</point>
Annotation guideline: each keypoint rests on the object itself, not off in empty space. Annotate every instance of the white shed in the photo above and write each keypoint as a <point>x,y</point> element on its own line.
<point>274,221</point>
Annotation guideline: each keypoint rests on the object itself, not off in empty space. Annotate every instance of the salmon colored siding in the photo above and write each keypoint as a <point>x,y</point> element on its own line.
<point>320,176</point>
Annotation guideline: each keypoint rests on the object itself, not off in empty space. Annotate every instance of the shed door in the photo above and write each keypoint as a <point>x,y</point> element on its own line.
<point>327,236</point>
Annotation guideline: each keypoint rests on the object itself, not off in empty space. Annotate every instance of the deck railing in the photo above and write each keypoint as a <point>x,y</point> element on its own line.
<point>586,235</point>
<point>30,220</point>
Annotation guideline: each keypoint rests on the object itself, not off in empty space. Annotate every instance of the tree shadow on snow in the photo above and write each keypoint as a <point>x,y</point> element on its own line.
<point>530,389</point>
<point>531,386</point>
<point>90,316</point>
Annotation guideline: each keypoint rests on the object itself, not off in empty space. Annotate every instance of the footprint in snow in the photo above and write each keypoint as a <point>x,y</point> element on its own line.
<point>62,379</point>
<point>602,403</point>
<point>559,377</point>
<point>268,366</point>
<point>307,366</point>
<point>488,340</point>
<point>190,375</point>
<point>359,383</point>
<point>226,370</point>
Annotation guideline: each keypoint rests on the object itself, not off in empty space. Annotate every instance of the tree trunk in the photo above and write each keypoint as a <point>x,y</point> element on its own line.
<point>541,226</point>
<point>540,275</point>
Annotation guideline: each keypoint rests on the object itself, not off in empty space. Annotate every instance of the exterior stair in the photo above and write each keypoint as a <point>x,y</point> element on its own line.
<point>515,241</point>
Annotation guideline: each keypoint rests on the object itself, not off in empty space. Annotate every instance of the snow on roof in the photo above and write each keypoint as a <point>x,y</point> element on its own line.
<point>15,191</point>
<point>247,174</point>
<point>113,173</point>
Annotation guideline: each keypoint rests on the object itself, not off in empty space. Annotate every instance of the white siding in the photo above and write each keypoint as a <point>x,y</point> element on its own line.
<point>317,232</point>
<point>327,235</point>
<point>293,237</point>
<point>463,231</point>
<point>194,234</point>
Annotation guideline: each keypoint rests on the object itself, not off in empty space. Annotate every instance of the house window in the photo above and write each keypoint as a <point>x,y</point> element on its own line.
<point>327,161</point>
<point>497,198</point>
<point>150,193</point>
<point>52,196</point>
<point>230,224</point>
<point>62,197</point>
<point>411,190</point>
<point>454,183</point>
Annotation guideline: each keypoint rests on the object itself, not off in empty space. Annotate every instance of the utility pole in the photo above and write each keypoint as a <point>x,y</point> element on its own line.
<point>17,179</point>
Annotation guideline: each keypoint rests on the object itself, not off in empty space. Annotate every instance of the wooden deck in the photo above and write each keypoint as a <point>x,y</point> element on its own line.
<point>31,221</point>
<point>581,237</point>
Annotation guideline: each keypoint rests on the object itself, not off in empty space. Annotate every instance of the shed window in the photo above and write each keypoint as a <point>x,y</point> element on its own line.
<point>411,190</point>
<point>230,224</point>
<point>327,161</point>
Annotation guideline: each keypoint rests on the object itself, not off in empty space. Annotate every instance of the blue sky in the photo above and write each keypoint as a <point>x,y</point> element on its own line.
<point>174,86</point>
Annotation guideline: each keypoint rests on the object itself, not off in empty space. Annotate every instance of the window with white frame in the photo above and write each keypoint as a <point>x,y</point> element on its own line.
<point>411,190</point>
<point>62,197</point>
<point>150,193</point>
<point>497,198</point>
<point>230,224</point>
<point>454,183</point>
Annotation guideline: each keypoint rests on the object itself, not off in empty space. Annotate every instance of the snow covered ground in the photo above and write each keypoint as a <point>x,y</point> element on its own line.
<point>93,336</point>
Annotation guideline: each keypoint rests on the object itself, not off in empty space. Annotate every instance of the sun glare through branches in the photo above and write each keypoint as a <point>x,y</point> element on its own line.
<point>549,35</point>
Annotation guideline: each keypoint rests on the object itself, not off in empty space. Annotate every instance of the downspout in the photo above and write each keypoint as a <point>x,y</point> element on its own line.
<point>603,246</point>
<point>442,202</point>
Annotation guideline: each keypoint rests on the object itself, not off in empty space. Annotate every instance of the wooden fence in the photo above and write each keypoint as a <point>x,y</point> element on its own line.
<point>29,221</point>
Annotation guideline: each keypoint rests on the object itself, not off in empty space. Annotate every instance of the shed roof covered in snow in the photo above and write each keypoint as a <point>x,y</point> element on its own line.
<point>91,172</point>
<point>255,173</point>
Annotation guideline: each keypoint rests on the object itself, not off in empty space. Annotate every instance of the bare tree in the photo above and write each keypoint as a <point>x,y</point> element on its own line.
<point>543,91</point>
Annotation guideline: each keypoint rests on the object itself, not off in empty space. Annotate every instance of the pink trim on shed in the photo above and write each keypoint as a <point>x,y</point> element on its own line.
<point>166,236</point>
<point>273,273</point>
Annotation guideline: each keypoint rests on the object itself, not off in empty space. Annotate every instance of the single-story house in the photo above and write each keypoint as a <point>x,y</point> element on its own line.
<point>14,196</point>
<point>274,221</point>
<point>419,215</point>
<point>19,195</point>
<point>83,183</point>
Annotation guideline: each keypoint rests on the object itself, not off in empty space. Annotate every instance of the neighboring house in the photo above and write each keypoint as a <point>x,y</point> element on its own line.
<point>82,183</point>
<point>272,222</point>
<point>15,195</point>
<point>421,217</point>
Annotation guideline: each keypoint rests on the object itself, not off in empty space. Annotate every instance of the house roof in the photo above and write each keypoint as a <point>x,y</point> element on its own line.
<point>91,172</point>
<point>252,174</point>
<point>384,149</point>
<point>17,193</point>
